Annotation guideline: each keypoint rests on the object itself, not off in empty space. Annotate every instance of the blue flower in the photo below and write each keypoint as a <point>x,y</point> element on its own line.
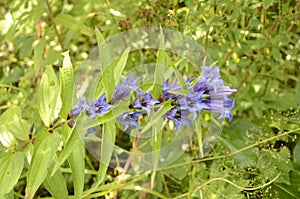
<point>179,117</point>
<point>166,94</point>
<point>212,92</point>
<point>222,106</point>
<point>192,103</point>
<point>98,107</point>
<point>130,119</point>
<point>144,101</point>
<point>76,110</point>
<point>124,89</point>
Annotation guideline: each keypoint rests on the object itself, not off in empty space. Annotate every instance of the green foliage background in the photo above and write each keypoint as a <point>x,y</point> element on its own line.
<point>256,45</point>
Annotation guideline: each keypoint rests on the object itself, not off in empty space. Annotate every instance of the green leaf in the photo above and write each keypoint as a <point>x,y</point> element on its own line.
<point>49,102</point>
<point>70,146</point>
<point>183,84</point>
<point>13,122</point>
<point>45,147</point>
<point>296,153</point>
<point>159,69</point>
<point>286,191</point>
<point>180,172</point>
<point>104,52</point>
<point>76,161</point>
<point>108,82</point>
<point>38,54</point>
<point>121,65</point>
<point>297,89</point>
<point>276,54</point>
<point>272,162</point>
<point>156,146</point>
<point>267,3</point>
<point>96,87</point>
<point>66,85</point>
<point>118,67</point>
<point>254,22</point>
<point>72,23</point>
<point>107,148</point>
<point>165,107</point>
<point>199,134</point>
<point>56,185</point>
<point>6,138</point>
<point>107,66</point>
<point>11,166</point>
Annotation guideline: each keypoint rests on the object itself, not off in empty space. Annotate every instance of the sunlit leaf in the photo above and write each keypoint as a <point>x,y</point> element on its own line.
<point>159,69</point>
<point>156,146</point>
<point>157,116</point>
<point>72,23</point>
<point>56,185</point>
<point>107,69</point>
<point>13,122</point>
<point>76,161</point>
<point>70,146</point>
<point>66,85</point>
<point>183,84</point>
<point>6,138</point>
<point>49,102</point>
<point>119,68</point>
<point>107,147</point>
<point>45,147</point>
<point>11,166</point>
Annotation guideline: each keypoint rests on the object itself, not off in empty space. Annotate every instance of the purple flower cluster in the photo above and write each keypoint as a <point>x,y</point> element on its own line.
<point>100,106</point>
<point>206,93</point>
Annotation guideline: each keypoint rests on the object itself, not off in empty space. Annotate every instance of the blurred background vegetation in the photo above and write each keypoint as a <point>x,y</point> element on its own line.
<point>255,44</point>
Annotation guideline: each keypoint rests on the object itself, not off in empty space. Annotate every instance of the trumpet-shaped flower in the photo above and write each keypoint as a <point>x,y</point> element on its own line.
<point>144,101</point>
<point>166,94</point>
<point>76,110</point>
<point>98,107</point>
<point>130,119</point>
<point>128,84</point>
<point>214,93</point>
<point>179,117</point>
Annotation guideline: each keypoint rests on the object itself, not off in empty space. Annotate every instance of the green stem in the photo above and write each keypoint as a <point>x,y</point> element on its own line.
<point>232,153</point>
<point>54,25</point>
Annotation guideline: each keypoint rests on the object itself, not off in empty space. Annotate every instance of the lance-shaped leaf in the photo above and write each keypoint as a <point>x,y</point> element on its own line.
<point>183,84</point>
<point>107,147</point>
<point>66,85</point>
<point>159,69</point>
<point>107,66</point>
<point>45,147</point>
<point>56,185</point>
<point>156,146</point>
<point>157,116</point>
<point>76,161</point>
<point>11,166</point>
<point>70,146</point>
<point>49,102</point>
